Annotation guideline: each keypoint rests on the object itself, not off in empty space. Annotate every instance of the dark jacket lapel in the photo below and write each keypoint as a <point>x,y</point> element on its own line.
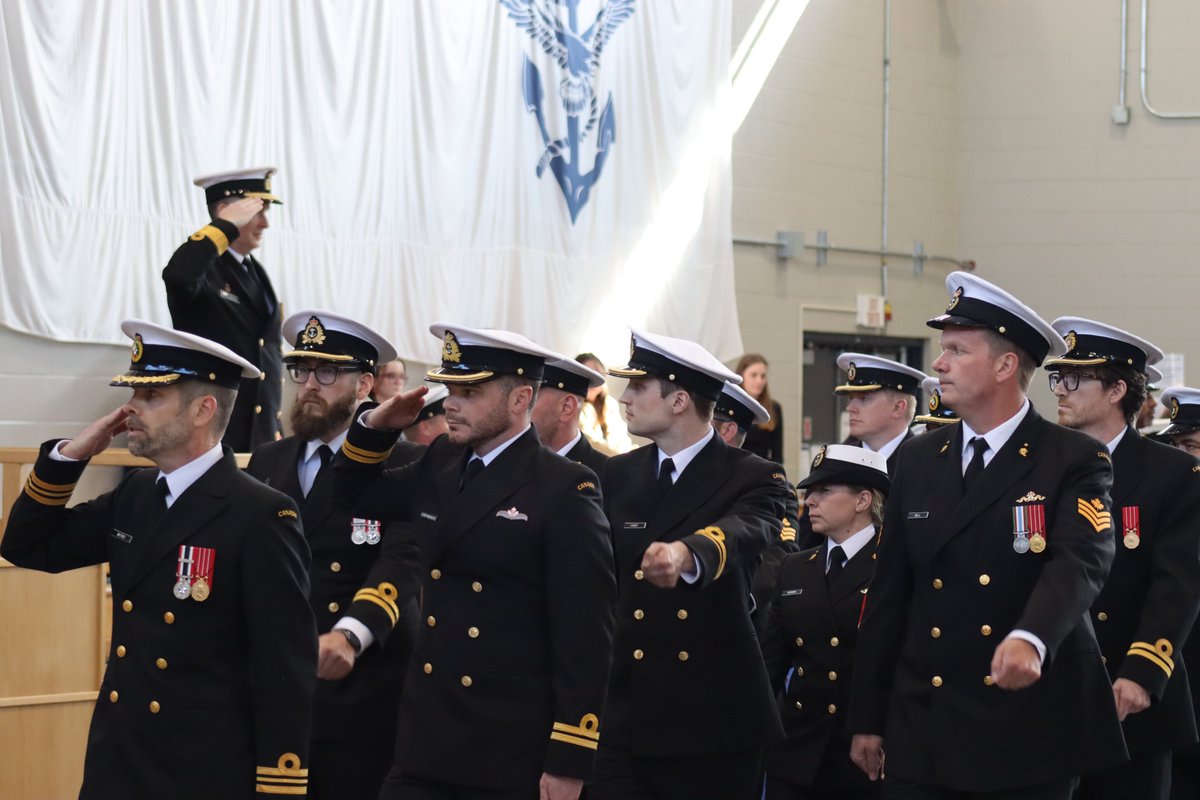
<point>855,575</point>
<point>703,476</point>
<point>1006,468</point>
<point>480,497</point>
<point>192,511</point>
<point>1128,466</point>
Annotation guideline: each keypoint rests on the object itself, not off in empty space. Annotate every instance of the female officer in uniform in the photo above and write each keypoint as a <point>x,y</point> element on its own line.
<point>809,643</point>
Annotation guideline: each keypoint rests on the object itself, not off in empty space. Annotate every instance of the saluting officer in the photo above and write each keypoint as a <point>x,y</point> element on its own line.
<point>431,419</point>
<point>938,413</point>
<point>734,414</point>
<point>689,704</point>
<point>216,289</point>
<point>977,669</point>
<point>1149,602</point>
<point>209,684</point>
<point>1183,433</point>
<point>818,601</point>
<point>565,384</point>
<point>506,686</point>
<point>881,402</point>
<point>364,572</point>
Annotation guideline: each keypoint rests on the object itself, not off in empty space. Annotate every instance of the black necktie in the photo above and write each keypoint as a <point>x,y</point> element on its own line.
<point>664,475</point>
<point>326,455</point>
<point>163,490</point>
<point>975,468</point>
<point>837,560</point>
<point>474,467</point>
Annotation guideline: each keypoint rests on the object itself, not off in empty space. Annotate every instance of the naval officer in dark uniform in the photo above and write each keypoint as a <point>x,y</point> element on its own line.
<point>565,384</point>
<point>689,704</point>
<point>364,572</point>
<point>1150,600</point>
<point>218,290</point>
<point>881,399</point>
<point>977,670</point>
<point>505,694</point>
<point>809,644</point>
<point>210,675</point>
<point>1183,433</point>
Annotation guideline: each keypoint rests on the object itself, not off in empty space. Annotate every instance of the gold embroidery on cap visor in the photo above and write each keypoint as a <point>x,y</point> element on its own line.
<point>133,379</point>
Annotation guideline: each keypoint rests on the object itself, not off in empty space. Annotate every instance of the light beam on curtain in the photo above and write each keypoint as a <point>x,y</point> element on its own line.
<point>408,149</point>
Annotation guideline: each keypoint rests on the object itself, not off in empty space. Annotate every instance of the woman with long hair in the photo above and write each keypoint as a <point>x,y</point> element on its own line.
<point>765,440</point>
<point>600,415</point>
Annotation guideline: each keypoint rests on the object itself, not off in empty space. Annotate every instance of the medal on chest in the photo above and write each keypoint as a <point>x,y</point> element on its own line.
<point>1029,528</point>
<point>1131,517</point>
<point>365,531</point>
<point>194,573</point>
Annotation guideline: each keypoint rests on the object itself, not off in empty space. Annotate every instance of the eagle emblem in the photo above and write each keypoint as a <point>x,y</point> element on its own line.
<point>577,55</point>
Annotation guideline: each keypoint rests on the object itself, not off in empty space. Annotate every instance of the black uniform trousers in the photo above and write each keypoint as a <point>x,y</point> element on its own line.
<point>949,586</point>
<point>1146,610</point>
<point>211,295</point>
<point>354,719</point>
<point>907,790</point>
<point>689,702</point>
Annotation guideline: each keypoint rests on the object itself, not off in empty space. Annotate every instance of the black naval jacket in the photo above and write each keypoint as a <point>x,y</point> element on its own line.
<point>509,673</point>
<point>200,699</point>
<point>374,584</point>
<point>590,457</point>
<point>813,633</point>
<point>210,295</point>
<point>762,587</point>
<point>949,587</point>
<point>688,676</point>
<point>1147,606</point>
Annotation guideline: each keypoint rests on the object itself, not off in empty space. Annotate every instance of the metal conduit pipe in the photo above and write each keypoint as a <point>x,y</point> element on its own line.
<point>1145,98</point>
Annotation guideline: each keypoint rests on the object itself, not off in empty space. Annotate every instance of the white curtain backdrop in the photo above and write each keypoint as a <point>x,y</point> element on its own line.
<point>407,162</point>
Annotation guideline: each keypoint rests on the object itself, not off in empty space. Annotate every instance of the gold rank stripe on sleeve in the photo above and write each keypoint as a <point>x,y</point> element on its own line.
<point>1095,514</point>
<point>717,537</point>
<point>1158,654</point>
<point>384,597</point>
<point>214,235</point>
<point>585,734</point>
<point>285,778</point>
<point>788,534</point>
<point>364,456</point>
<point>48,494</point>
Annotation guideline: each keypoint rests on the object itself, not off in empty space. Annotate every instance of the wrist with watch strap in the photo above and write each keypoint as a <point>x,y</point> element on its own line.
<point>353,639</point>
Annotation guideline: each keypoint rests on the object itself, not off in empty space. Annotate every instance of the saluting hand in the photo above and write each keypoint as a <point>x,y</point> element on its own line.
<point>664,562</point>
<point>866,751</point>
<point>1016,665</point>
<point>96,438</point>
<point>239,212</point>
<point>554,787</point>
<point>397,412</point>
<point>1130,697</point>
<point>335,656</point>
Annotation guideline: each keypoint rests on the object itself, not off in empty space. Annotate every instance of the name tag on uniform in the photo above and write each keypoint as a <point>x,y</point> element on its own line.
<point>428,516</point>
<point>791,592</point>
<point>634,526</point>
<point>918,515</point>
<point>227,294</point>
<point>122,535</point>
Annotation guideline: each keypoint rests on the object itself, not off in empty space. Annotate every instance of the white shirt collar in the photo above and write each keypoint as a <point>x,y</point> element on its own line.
<point>311,447</point>
<point>684,456</point>
<point>852,545</point>
<point>995,438</point>
<point>889,448</point>
<point>1112,446</point>
<point>238,257</point>
<point>490,457</point>
<point>567,447</point>
<point>180,479</point>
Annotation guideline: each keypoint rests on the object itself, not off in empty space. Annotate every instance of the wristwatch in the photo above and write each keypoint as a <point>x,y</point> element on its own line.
<point>352,638</point>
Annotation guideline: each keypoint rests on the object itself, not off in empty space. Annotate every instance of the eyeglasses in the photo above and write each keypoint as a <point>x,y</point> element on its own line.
<point>1069,380</point>
<point>326,373</point>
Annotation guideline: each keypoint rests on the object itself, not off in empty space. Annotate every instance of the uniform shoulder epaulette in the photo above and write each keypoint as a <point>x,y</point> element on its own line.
<point>286,777</point>
<point>214,235</point>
